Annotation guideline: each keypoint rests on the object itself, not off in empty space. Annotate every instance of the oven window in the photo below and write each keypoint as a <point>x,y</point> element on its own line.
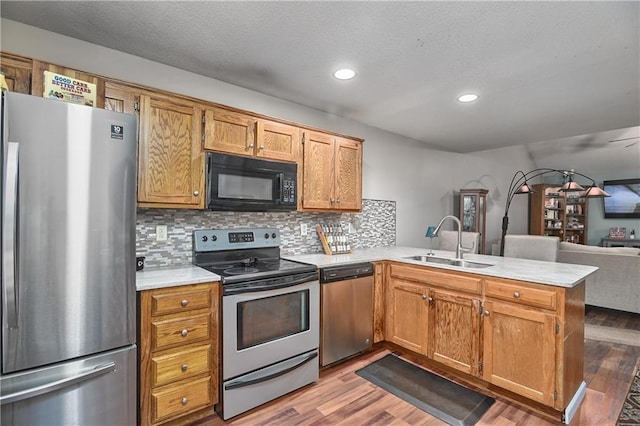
<point>245,187</point>
<point>271,318</point>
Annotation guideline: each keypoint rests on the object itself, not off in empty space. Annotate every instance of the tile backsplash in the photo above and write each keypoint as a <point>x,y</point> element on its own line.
<point>375,226</point>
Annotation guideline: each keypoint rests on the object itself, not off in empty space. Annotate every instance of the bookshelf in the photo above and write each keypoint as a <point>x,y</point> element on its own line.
<point>556,213</point>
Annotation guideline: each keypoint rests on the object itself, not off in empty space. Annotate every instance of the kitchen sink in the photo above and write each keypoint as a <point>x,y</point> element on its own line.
<point>447,261</point>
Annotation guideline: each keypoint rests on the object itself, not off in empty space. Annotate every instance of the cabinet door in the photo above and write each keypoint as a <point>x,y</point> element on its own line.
<point>348,185</point>
<point>39,68</point>
<point>408,315</point>
<point>120,98</point>
<point>318,174</point>
<point>17,73</point>
<point>230,132</point>
<point>519,350</point>
<point>277,141</point>
<point>170,159</point>
<point>455,331</point>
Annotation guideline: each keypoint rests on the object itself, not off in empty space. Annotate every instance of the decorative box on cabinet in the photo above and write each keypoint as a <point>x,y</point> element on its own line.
<point>179,337</point>
<point>331,173</point>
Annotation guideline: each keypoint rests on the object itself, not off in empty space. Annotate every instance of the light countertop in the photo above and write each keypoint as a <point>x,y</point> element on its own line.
<point>151,278</point>
<point>551,273</point>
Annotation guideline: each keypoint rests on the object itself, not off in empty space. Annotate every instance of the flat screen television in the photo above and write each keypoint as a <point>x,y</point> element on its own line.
<point>624,202</point>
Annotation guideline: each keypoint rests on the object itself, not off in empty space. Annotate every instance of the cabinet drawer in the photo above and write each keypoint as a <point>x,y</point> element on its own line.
<point>180,331</point>
<point>174,401</point>
<point>168,303</point>
<point>443,279</point>
<point>519,293</point>
<point>179,365</point>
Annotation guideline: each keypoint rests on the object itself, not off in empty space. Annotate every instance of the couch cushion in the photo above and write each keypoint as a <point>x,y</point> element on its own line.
<point>596,249</point>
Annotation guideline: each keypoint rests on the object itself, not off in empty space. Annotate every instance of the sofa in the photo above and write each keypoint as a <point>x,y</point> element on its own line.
<point>616,284</point>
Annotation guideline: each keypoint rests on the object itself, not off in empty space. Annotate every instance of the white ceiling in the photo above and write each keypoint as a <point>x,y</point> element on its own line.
<point>543,70</point>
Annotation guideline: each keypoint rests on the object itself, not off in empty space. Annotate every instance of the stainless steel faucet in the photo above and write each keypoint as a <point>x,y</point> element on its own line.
<point>456,220</point>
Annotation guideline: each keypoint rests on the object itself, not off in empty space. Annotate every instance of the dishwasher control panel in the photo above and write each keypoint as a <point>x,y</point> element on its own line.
<point>345,272</point>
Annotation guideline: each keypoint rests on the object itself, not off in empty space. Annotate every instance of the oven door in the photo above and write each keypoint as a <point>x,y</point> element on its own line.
<point>269,325</point>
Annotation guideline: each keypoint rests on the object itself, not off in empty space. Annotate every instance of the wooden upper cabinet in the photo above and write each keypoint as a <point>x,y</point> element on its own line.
<point>121,98</point>
<point>348,156</point>
<point>277,141</point>
<point>229,132</point>
<point>170,158</point>
<point>37,87</point>
<point>242,134</point>
<point>332,173</point>
<point>17,72</point>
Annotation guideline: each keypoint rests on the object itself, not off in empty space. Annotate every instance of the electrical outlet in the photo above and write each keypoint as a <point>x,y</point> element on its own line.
<point>161,233</point>
<point>350,228</point>
<point>303,229</point>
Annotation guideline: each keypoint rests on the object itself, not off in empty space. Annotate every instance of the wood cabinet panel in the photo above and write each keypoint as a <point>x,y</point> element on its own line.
<point>348,186</point>
<point>180,365</point>
<point>121,98</point>
<point>408,315</point>
<point>520,350</point>
<point>175,401</point>
<point>522,293</point>
<point>180,331</point>
<point>168,303</point>
<point>378,302</point>
<point>277,141</point>
<point>229,132</point>
<point>455,331</point>
<point>318,174</point>
<point>170,159</point>
<point>17,72</point>
<point>432,276</point>
<point>173,366</point>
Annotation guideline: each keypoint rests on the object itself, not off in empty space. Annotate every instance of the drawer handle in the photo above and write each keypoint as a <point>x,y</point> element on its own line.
<point>185,332</point>
<point>516,294</point>
<point>487,313</point>
<point>184,367</point>
<point>185,400</point>
<point>424,297</point>
<point>184,303</point>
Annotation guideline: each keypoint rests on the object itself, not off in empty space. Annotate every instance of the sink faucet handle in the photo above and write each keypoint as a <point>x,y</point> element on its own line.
<point>430,232</point>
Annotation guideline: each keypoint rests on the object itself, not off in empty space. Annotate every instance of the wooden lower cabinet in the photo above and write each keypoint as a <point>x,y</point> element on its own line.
<point>522,337</point>
<point>179,335</point>
<point>408,315</point>
<point>455,331</point>
<point>520,350</point>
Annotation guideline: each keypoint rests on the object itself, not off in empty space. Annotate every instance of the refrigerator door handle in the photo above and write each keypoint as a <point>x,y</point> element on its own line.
<point>9,233</point>
<point>55,385</point>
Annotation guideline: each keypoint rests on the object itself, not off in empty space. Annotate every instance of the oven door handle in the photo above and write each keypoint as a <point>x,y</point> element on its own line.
<point>269,374</point>
<point>268,284</point>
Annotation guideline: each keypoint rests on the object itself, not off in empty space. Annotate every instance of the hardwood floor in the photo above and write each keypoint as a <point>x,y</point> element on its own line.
<point>612,318</point>
<point>341,397</point>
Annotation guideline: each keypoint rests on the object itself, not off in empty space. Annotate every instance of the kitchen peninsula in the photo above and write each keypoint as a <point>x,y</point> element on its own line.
<point>514,328</point>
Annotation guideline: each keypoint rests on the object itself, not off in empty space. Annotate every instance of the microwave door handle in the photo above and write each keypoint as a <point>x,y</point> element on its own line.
<point>281,187</point>
<point>10,235</point>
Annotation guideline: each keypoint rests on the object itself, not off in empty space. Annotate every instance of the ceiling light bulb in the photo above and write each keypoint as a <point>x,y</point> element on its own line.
<point>467,98</point>
<point>344,74</point>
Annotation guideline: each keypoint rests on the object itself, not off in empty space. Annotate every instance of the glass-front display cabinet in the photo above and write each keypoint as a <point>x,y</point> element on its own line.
<point>473,212</point>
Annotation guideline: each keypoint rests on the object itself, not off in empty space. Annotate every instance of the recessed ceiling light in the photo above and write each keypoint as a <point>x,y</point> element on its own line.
<point>344,74</point>
<point>469,97</point>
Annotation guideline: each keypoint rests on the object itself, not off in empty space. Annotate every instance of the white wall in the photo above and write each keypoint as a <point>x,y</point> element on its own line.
<point>422,181</point>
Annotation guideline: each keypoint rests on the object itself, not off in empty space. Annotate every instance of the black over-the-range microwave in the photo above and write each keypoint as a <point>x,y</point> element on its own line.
<point>245,184</point>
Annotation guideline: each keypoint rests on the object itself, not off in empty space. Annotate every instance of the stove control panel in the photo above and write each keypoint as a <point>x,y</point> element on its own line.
<point>231,239</point>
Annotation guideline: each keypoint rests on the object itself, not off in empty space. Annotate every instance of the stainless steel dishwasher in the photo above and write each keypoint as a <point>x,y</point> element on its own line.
<point>347,311</point>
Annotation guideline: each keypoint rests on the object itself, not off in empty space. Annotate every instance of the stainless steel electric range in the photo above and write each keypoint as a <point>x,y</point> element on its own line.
<point>270,315</point>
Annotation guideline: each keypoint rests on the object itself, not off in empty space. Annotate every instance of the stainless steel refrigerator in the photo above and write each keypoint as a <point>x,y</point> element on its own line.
<point>68,264</point>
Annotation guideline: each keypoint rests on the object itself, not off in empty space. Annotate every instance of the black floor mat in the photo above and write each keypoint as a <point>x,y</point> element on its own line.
<point>437,396</point>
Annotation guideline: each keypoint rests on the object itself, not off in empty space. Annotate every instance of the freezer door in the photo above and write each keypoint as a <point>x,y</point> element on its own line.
<point>68,225</point>
<point>99,390</point>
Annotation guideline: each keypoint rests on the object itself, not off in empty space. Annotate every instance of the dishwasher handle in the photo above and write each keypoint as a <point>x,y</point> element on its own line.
<point>345,272</point>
